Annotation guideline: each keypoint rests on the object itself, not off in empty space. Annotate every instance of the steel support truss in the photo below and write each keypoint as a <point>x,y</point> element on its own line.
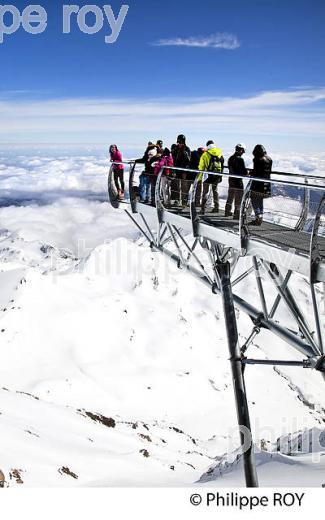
<point>214,264</point>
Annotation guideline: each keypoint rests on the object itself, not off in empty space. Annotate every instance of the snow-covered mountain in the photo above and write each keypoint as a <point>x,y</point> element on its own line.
<point>114,365</point>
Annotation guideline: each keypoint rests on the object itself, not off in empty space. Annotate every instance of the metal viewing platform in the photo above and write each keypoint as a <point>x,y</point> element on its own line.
<point>209,245</point>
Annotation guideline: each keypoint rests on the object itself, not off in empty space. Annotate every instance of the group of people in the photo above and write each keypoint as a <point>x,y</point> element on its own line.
<point>180,166</point>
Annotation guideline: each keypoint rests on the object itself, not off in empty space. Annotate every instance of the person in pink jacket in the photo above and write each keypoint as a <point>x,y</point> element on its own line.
<point>118,169</point>
<point>165,160</point>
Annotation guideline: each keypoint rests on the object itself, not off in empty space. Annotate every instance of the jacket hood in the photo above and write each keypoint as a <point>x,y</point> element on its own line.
<point>152,152</point>
<point>216,152</point>
<point>259,151</point>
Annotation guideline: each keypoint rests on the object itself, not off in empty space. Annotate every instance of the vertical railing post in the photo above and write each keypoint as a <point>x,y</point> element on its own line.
<point>243,227</point>
<point>305,208</point>
<point>160,206</point>
<point>133,199</point>
<point>112,190</point>
<point>315,260</point>
<point>194,214</point>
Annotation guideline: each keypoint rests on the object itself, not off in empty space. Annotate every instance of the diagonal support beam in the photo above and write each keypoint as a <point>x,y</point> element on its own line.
<point>192,253</point>
<point>139,227</point>
<point>183,262</point>
<point>243,276</point>
<point>279,297</point>
<point>250,339</point>
<point>260,286</point>
<point>148,228</point>
<point>291,304</point>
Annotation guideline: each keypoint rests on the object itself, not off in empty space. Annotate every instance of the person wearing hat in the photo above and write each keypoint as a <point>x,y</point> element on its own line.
<point>181,157</point>
<point>236,166</point>
<point>194,165</point>
<point>165,161</point>
<point>160,147</point>
<point>260,190</point>
<point>147,159</point>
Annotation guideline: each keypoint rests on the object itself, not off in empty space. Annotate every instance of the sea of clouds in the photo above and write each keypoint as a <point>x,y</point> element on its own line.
<point>60,196</point>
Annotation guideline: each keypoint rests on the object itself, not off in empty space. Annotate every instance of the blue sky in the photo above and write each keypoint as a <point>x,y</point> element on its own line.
<point>78,83</point>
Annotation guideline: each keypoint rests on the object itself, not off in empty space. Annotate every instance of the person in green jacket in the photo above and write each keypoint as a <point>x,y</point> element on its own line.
<point>211,161</point>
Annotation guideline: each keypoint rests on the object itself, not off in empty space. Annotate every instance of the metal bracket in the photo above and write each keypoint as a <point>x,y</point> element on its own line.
<point>320,365</point>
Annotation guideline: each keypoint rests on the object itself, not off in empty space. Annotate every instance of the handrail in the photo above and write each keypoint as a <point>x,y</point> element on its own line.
<point>288,183</point>
<point>285,174</point>
<point>131,161</point>
<point>289,174</point>
<point>246,177</point>
<point>249,170</point>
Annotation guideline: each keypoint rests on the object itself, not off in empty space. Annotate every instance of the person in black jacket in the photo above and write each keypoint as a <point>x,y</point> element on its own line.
<point>194,165</point>
<point>148,158</point>
<point>182,157</point>
<point>260,189</point>
<point>236,166</point>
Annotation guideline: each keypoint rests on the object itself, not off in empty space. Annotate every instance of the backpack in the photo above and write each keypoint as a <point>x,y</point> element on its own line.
<point>215,166</point>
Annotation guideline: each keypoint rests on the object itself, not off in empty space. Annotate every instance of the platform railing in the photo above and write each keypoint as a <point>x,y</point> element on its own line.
<point>306,184</point>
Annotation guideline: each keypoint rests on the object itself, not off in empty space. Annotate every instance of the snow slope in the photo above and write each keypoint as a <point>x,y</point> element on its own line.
<point>114,366</point>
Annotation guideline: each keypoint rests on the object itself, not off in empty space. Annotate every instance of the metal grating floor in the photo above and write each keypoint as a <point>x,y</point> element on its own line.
<point>278,235</point>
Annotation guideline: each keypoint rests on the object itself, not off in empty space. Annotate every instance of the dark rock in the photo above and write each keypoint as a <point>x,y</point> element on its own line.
<point>67,471</point>
<point>144,437</point>
<point>145,453</point>
<point>16,474</point>
<point>106,421</point>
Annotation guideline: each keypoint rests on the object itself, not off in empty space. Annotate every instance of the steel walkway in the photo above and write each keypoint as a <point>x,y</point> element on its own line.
<point>290,242</point>
<point>292,246</point>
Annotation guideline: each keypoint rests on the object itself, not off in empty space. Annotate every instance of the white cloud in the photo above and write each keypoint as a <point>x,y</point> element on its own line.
<point>215,41</point>
<point>59,200</point>
<point>295,113</point>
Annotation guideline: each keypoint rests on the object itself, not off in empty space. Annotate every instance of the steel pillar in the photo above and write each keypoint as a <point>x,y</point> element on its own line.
<point>223,270</point>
